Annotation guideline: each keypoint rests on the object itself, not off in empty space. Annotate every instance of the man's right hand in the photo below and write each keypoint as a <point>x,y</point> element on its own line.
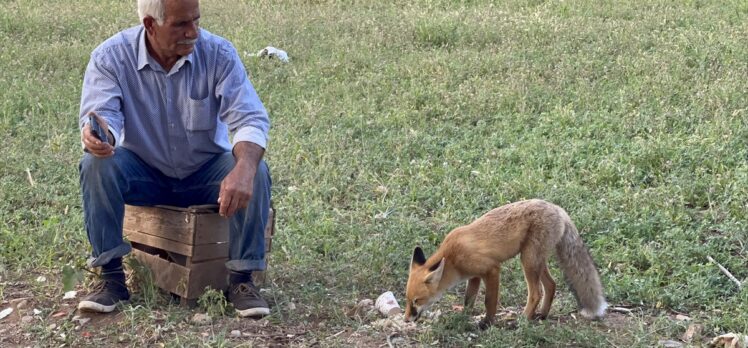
<point>95,146</point>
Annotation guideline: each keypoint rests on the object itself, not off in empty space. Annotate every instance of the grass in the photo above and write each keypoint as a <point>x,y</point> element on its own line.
<point>394,123</point>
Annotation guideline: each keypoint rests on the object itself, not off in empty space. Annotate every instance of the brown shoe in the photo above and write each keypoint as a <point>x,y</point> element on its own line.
<point>105,296</point>
<point>247,300</point>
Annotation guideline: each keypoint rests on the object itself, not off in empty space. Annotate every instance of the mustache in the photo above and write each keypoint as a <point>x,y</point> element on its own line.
<point>187,42</point>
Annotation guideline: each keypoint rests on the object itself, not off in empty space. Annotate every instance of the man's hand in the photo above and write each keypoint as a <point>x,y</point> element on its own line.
<point>237,187</point>
<point>95,146</point>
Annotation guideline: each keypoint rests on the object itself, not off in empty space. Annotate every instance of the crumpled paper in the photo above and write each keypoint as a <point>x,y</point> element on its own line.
<point>272,52</point>
<point>730,340</point>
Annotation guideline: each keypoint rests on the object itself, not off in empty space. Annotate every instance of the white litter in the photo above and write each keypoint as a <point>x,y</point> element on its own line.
<point>272,52</point>
<point>387,304</point>
<point>5,312</point>
<point>69,295</point>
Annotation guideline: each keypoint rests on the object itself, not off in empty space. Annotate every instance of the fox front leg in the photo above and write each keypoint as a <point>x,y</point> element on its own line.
<point>473,285</point>
<point>491,280</point>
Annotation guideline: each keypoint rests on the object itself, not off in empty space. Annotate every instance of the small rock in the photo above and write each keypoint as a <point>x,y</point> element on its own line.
<point>398,341</point>
<point>201,319</point>
<point>669,344</point>
<point>291,306</point>
<point>730,340</point>
<point>41,279</point>
<point>81,320</point>
<point>235,334</point>
<point>52,326</point>
<point>20,303</point>
<point>681,317</point>
<point>27,319</point>
<point>693,331</point>
<point>37,312</point>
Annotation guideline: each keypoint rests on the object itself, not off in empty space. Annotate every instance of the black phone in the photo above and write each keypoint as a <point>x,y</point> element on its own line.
<point>96,129</point>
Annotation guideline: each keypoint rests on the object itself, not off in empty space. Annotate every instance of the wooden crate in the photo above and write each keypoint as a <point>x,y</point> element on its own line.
<point>185,248</point>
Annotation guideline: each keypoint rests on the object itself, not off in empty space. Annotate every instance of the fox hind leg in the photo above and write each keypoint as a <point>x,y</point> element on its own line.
<point>532,270</point>
<point>549,291</point>
<point>473,285</point>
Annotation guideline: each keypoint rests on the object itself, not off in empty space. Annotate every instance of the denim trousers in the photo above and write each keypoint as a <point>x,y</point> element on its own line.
<point>107,184</point>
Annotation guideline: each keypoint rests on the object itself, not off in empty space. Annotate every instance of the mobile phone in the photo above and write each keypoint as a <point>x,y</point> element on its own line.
<point>96,129</point>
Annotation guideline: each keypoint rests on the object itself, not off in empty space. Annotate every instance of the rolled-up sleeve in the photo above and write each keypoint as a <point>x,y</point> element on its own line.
<point>240,106</point>
<point>102,94</point>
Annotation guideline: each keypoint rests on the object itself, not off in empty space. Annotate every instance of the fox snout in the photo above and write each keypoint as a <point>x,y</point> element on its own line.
<point>411,314</point>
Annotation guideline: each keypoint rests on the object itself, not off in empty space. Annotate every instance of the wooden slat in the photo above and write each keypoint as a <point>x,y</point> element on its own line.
<point>195,253</point>
<point>211,228</point>
<point>186,282</point>
<point>210,273</point>
<point>158,242</point>
<point>206,252</point>
<point>177,225</point>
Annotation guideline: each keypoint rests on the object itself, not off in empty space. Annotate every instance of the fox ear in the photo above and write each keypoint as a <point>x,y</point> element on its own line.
<point>436,273</point>
<point>418,258</point>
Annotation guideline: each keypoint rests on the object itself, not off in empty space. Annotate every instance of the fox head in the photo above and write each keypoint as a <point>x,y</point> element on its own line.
<point>422,289</point>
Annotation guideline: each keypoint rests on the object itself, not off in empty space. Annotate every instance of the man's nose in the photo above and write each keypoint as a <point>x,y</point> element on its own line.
<point>192,30</point>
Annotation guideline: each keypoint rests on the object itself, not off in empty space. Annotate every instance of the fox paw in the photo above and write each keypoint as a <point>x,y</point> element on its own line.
<point>485,324</point>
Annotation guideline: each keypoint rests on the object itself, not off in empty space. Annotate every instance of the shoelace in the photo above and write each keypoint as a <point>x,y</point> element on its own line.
<point>245,289</point>
<point>101,286</point>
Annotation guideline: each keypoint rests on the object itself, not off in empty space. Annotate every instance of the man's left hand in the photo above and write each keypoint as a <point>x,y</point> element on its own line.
<point>237,187</point>
<point>236,190</point>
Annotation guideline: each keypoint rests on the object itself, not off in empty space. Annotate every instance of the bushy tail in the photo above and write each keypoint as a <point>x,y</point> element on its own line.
<point>580,273</point>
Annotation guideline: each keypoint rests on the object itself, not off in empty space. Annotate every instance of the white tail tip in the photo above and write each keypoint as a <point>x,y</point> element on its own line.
<point>596,313</point>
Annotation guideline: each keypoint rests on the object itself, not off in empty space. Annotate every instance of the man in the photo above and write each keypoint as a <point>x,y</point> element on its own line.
<point>167,94</point>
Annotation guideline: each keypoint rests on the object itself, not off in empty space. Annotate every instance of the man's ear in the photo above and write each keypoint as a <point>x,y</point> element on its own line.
<point>148,23</point>
<point>418,258</point>
<point>436,273</point>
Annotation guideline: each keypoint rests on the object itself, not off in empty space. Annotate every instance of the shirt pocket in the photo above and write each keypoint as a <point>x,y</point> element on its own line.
<point>201,115</point>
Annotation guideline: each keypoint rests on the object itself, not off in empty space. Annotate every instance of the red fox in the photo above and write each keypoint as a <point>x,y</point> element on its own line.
<point>531,228</point>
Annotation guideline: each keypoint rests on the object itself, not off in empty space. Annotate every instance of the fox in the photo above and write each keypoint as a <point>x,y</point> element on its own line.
<point>531,229</point>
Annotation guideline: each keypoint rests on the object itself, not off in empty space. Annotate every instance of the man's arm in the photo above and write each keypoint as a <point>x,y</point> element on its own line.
<point>101,95</point>
<point>237,187</point>
<point>246,117</point>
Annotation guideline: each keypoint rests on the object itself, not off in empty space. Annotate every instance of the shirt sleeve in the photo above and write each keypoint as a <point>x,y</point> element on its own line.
<point>102,94</point>
<point>240,106</point>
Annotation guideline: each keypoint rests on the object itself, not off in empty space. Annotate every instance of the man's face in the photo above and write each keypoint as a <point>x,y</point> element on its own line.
<point>179,32</point>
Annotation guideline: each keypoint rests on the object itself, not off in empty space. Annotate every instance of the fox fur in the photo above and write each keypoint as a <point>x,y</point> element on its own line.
<point>532,229</point>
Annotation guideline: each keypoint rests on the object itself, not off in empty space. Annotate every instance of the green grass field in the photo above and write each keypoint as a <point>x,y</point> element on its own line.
<point>394,123</point>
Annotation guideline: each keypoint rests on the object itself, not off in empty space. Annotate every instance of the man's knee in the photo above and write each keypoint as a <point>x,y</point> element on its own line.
<point>92,164</point>
<point>262,170</point>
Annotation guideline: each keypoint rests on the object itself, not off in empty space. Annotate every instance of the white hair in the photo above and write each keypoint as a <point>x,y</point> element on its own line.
<point>153,8</point>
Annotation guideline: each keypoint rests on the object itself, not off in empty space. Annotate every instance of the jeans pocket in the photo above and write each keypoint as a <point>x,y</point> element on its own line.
<point>201,116</point>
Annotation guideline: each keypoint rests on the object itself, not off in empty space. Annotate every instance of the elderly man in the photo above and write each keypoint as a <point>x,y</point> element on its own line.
<point>167,94</point>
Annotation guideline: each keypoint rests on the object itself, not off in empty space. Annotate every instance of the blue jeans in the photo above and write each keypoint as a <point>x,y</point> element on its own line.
<point>107,184</point>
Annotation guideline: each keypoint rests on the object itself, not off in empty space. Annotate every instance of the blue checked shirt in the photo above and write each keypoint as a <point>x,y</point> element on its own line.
<point>174,120</point>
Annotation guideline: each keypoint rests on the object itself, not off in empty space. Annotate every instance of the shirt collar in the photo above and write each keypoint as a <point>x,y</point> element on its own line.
<point>145,59</point>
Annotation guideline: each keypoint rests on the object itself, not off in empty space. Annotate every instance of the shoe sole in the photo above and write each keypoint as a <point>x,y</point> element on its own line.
<point>253,312</point>
<point>90,306</point>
